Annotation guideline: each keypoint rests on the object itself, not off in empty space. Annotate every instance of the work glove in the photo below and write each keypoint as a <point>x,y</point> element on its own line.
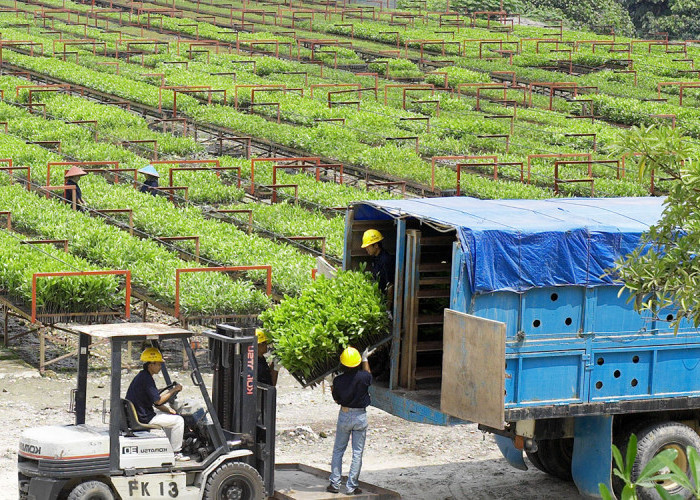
<point>367,353</point>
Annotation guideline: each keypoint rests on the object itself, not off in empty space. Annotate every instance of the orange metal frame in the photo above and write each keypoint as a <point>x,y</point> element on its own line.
<point>587,156</point>
<point>253,161</point>
<point>50,164</point>
<point>10,168</point>
<point>127,273</point>
<point>8,218</point>
<point>457,157</point>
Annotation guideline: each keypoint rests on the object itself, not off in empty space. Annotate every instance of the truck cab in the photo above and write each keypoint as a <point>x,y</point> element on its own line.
<point>506,314</point>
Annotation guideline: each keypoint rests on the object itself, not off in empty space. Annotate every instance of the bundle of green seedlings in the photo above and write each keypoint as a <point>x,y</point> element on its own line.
<point>309,332</point>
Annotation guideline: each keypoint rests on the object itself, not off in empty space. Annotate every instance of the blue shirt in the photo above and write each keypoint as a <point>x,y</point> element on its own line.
<point>68,194</point>
<point>149,184</point>
<point>383,268</point>
<point>352,389</point>
<point>143,393</point>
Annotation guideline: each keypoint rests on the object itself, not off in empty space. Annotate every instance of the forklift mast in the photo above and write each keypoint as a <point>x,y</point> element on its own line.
<point>244,407</point>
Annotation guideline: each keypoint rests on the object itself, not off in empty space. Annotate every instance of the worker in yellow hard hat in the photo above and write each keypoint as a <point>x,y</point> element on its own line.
<point>267,374</point>
<point>145,396</point>
<point>351,391</point>
<point>381,262</point>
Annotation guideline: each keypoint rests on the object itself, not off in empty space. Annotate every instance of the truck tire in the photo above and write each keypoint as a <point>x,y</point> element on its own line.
<point>659,437</point>
<point>555,456</point>
<point>621,440</point>
<point>234,481</point>
<point>534,457</point>
<point>91,490</point>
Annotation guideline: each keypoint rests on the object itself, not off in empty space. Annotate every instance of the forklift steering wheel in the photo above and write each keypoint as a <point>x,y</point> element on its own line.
<point>169,386</point>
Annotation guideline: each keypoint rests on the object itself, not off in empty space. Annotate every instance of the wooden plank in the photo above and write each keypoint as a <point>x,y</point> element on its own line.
<point>427,372</point>
<point>438,241</point>
<point>429,345</point>
<point>434,294</point>
<point>473,365</point>
<point>438,280</point>
<point>440,266</point>
<point>430,319</point>
<point>407,365</point>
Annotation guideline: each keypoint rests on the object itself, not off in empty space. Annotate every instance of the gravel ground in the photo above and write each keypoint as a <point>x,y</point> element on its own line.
<point>416,460</point>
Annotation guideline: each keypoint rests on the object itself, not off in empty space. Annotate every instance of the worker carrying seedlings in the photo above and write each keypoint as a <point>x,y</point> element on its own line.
<point>382,263</point>
<point>72,177</point>
<point>267,374</point>
<point>150,185</point>
<point>144,395</point>
<point>351,391</point>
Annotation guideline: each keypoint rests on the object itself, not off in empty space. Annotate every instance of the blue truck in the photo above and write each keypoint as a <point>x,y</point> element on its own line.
<point>505,315</point>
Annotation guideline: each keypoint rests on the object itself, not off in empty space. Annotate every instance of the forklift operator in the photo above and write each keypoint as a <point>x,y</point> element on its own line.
<point>144,395</point>
<point>382,263</point>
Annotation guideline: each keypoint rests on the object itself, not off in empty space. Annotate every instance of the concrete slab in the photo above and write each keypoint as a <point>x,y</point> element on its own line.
<point>12,367</point>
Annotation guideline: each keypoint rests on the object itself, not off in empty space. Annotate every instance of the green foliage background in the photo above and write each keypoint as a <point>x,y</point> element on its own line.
<point>679,18</point>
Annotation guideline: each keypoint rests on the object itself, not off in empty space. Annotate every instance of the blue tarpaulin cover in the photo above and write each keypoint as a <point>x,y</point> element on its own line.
<point>515,245</point>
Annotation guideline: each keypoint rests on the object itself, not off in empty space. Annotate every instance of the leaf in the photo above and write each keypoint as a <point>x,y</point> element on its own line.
<point>661,460</point>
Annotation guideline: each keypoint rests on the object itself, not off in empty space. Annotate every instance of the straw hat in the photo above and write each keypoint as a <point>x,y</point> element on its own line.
<point>149,170</point>
<point>75,172</point>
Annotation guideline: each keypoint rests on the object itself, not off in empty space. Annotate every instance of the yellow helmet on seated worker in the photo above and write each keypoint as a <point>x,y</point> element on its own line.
<point>371,237</point>
<point>151,355</point>
<point>260,334</point>
<point>350,357</point>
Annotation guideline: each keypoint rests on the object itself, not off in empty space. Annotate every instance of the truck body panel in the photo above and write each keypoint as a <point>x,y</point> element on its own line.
<point>576,354</point>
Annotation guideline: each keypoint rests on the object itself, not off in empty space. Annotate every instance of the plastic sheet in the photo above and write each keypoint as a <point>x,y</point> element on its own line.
<point>515,245</point>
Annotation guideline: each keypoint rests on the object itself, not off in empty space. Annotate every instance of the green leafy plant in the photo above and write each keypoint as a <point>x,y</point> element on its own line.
<point>310,331</point>
<point>660,468</point>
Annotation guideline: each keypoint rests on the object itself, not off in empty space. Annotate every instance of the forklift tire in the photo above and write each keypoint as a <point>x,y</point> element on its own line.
<point>91,490</point>
<point>659,437</point>
<point>555,456</point>
<point>234,481</point>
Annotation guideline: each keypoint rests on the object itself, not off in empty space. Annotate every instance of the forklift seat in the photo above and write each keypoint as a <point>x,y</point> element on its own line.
<point>131,419</point>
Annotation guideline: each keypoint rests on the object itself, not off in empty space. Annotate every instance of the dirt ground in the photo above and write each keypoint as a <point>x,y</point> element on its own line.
<point>416,460</point>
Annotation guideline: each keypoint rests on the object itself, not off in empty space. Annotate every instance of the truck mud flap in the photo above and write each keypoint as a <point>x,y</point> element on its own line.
<point>592,459</point>
<point>513,455</point>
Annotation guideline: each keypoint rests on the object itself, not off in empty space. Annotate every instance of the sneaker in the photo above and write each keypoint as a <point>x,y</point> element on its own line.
<point>179,457</point>
<point>332,489</point>
<point>356,491</point>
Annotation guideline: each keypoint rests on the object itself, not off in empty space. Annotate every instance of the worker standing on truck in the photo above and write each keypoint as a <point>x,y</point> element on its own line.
<point>382,263</point>
<point>150,185</point>
<point>144,395</point>
<point>267,374</point>
<point>71,179</point>
<point>351,391</point>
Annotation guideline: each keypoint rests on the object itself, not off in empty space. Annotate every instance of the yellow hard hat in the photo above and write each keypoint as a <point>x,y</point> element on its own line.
<point>151,355</point>
<point>371,237</point>
<point>260,334</point>
<point>350,357</point>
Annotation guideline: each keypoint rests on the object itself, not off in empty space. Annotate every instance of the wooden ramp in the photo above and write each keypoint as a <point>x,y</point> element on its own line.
<point>302,482</point>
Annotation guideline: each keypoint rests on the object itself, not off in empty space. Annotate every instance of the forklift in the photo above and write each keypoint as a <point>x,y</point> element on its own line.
<point>229,436</point>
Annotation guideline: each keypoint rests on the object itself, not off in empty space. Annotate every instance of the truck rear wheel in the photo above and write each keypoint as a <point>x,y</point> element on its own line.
<point>555,456</point>
<point>663,436</point>
<point>91,490</point>
<point>234,481</point>
<point>534,457</point>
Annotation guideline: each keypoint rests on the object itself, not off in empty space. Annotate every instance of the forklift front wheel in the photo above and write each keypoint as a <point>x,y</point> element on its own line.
<point>94,490</point>
<point>234,481</point>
